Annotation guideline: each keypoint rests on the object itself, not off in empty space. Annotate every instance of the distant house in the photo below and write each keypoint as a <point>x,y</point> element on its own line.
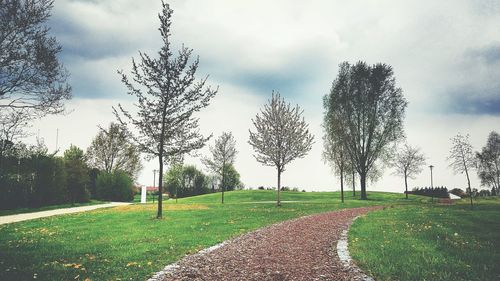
<point>151,188</point>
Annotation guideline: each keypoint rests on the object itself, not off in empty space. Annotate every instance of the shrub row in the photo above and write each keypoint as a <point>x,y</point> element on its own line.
<point>31,177</point>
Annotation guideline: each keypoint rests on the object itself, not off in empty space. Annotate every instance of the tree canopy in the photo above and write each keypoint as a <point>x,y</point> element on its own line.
<point>281,135</point>
<point>31,76</point>
<point>223,156</point>
<point>364,111</point>
<point>112,151</point>
<point>489,162</point>
<point>167,95</point>
<point>408,163</point>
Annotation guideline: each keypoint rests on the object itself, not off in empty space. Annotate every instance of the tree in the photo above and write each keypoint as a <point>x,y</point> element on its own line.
<point>77,175</point>
<point>488,168</point>
<point>31,76</point>
<point>408,163</point>
<point>281,135</point>
<point>462,158</point>
<point>12,126</point>
<point>364,111</point>
<point>336,156</point>
<point>223,155</point>
<point>232,178</point>
<point>168,96</point>
<point>182,181</point>
<point>111,151</point>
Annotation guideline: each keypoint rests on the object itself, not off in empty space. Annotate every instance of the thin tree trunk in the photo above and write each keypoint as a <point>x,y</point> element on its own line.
<point>278,203</point>
<point>223,181</point>
<point>160,187</point>
<point>406,186</point>
<point>362,179</point>
<point>342,183</point>
<point>470,189</point>
<point>353,183</point>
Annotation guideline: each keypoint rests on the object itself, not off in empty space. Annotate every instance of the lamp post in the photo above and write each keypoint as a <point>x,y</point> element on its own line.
<point>154,182</point>
<point>432,184</point>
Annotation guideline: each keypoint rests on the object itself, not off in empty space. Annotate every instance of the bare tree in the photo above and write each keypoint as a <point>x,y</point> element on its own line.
<point>31,76</point>
<point>168,96</point>
<point>488,168</point>
<point>365,112</point>
<point>223,156</point>
<point>462,158</point>
<point>12,126</point>
<point>281,135</point>
<point>408,163</point>
<point>111,150</point>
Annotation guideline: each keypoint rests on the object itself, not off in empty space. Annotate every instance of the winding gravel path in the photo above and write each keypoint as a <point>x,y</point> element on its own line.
<point>299,249</point>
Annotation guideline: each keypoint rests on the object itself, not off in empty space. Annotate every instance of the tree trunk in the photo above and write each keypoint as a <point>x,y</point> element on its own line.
<point>342,184</point>
<point>353,183</point>
<point>406,186</point>
<point>470,189</point>
<point>362,179</point>
<point>278,202</point>
<point>160,187</point>
<point>223,183</point>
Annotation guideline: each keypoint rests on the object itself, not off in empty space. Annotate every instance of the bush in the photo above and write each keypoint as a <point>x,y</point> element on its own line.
<point>116,186</point>
<point>438,192</point>
<point>184,181</point>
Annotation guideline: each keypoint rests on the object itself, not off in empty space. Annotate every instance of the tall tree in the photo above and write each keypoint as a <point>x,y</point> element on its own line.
<point>281,135</point>
<point>489,162</point>
<point>223,155</point>
<point>408,163</point>
<point>364,111</point>
<point>335,154</point>
<point>111,151</point>
<point>462,158</point>
<point>168,96</point>
<point>31,76</point>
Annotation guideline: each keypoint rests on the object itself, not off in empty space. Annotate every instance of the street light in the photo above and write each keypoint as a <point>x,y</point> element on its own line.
<point>432,185</point>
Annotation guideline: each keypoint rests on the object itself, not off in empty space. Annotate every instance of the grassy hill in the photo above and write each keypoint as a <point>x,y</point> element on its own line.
<point>269,196</point>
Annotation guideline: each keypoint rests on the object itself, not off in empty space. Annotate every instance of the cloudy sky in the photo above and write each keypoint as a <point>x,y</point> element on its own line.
<point>445,55</point>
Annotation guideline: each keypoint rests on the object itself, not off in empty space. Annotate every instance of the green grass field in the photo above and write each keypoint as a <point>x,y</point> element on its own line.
<point>430,242</point>
<point>128,243</point>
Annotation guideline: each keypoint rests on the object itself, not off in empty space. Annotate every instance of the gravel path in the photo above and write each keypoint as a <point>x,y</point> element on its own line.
<point>43,214</point>
<point>299,249</point>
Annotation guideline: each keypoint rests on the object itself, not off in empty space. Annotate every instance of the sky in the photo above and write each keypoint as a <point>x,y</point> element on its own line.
<point>445,56</point>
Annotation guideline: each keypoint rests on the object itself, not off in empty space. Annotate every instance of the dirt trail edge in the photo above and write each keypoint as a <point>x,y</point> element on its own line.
<point>298,249</point>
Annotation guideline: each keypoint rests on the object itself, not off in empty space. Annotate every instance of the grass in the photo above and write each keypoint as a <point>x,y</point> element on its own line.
<point>430,242</point>
<point>128,243</point>
<point>47,208</point>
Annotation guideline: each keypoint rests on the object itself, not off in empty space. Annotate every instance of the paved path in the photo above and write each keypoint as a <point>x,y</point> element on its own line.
<point>299,249</point>
<point>43,214</point>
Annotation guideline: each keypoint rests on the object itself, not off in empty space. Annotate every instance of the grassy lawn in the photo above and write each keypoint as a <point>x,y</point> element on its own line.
<point>430,242</point>
<point>128,243</point>
<point>47,208</point>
